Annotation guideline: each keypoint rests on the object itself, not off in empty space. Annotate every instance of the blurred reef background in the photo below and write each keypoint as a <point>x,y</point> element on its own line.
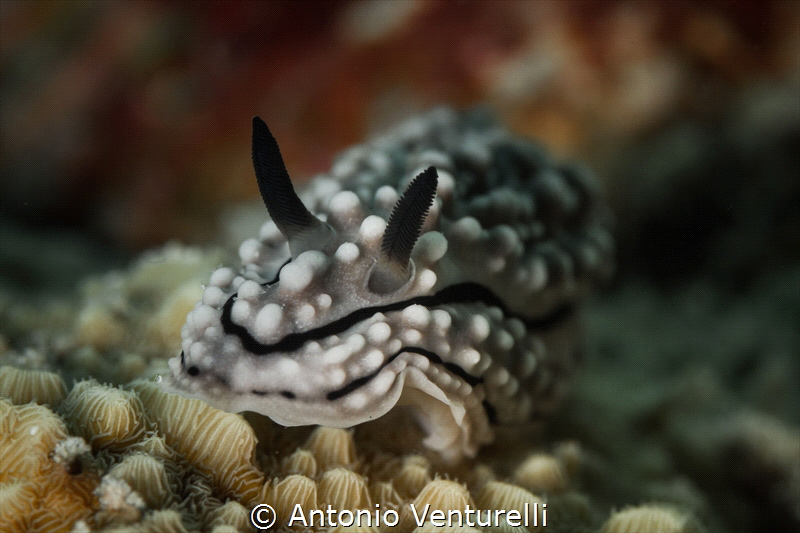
<point>124,129</point>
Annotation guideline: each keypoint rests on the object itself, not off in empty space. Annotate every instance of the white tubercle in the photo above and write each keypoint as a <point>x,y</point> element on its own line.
<point>386,197</point>
<point>467,229</point>
<point>430,247</point>
<point>536,274</point>
<point>337,354</point>
<point>503,340</point>
<point>214,296</point>
<point>213,333</point>
<point>372,229</point>
<point>435,158</point>
<point>506,240</point>
<point>411,336</point>
<point>197,350</point>
<point>442,319</point>
<point>380,162</point>
<point>324,301</point>
<point>335,377</point>
<point>379,333</point>
<point>306,313</point>
<point>240,311</point>
<point>495,264</point>
<point>249,290</point>
<point>345,164</point>
<point>204,317</point>
<point>296,276</point>
<point>497,376</point>
<point>382,382</point>
<point>347,252</point>
<point>356,342</point>
<point>286,370</point>
<point>468,358</point>
<point>479,328</point>
<point>251,251</point>
<point>343,206</point>
<point>426,280</point>
<point>222,277</point>
<point>371,360</point>
<point>268,321</point>
<point>416,316</point>
<point>446,185</point>
<point>515,327</point>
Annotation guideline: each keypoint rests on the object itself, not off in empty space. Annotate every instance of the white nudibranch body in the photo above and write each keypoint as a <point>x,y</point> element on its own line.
<point>438,267</point>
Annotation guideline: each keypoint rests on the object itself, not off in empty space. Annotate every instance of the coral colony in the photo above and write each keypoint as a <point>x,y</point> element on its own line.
<point>438,268</point>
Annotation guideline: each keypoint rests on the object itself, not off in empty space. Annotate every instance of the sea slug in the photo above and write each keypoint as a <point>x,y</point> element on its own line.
<point>438,267</point>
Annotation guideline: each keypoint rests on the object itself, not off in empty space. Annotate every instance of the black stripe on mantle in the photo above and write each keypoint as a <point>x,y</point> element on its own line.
<point>467,292</point>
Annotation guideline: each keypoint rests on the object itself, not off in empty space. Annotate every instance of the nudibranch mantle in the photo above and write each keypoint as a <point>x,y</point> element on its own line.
<point>438,267</point>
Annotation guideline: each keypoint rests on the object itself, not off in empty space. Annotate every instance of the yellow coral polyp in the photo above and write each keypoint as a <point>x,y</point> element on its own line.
<point>99,328</point>
<point>332,447</point>
<point>107,417</point>
<point>39,493</point>
<point>541,473</point>
<point>64,499</point>
<point>25,386</point>
<point>445,495</point>
<point>413,476</point>
<point>385,494</point>
<point>499,495</point>
<point>300,462</point>
<point>657,518</point>
<point>290,491</point>
<point>28,433</point>
<point>221,445</point>
<point>232,514</point>
<point>343,489</point>
<point>440,494</point>
<point>18,499</point>
<point>147,476</point>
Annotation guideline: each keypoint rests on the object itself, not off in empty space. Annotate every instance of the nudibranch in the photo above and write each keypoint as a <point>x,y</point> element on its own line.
<point>438,267</point>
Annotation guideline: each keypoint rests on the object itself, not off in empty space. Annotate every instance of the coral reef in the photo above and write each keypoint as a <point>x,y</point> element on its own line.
<point>177,473</point>
<point>141,460</point>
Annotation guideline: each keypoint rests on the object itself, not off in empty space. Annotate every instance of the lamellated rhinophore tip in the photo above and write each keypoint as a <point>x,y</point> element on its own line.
<point>405,222</point>
<point>402,232</point>
<point>302,229</point>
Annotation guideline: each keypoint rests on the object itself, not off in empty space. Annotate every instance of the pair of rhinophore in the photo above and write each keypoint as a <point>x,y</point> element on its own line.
<point>304,231</point>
